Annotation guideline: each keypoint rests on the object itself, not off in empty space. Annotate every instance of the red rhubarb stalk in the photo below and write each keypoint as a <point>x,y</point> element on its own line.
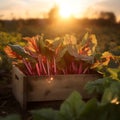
<point>27,66</point>
<point>40,64</point>
<point>38,70</point>
<point>54,66</point>
<point>43,67</point>
<point>48,67</point>
<point>73,66</point>
<point>85,70</point>
<point>80,69</point>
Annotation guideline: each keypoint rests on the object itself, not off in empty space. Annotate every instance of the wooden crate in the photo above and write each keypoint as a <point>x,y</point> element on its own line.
<point>47,88</point>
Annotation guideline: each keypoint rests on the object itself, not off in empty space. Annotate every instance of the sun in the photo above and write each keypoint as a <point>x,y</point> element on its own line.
<point>65,11</point>
<point>71,8</point>
<point>65,8</point>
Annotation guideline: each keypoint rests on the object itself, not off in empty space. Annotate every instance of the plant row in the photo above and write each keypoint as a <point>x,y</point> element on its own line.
<point>61,55</point>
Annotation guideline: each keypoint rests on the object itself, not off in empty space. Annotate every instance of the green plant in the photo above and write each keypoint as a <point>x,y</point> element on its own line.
<point>8,38</point>
<point>5,62</point>
<point>74,108</point>
<point>11,117</point>
<point>62,55</point>
<point>5,67</point>
<point>108,86</point>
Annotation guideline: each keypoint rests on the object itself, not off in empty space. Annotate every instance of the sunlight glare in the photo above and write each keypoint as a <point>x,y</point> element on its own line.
<point>65,11</point>
<point>69,8</point>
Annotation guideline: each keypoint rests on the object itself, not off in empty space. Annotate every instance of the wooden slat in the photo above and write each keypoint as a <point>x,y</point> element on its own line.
<point>59,88</point>
<point>18,86</point>
<point>48,88</point>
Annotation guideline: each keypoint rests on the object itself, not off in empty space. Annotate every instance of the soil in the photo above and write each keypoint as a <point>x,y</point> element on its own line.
<point>9,105</point>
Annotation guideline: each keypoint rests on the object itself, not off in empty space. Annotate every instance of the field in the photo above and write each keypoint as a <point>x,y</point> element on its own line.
<point>12,32</point>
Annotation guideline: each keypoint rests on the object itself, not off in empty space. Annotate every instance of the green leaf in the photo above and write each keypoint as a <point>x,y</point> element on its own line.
<point>19,50</point>
<point>60,59</point>
<point>113,112</point>
<point>43,48</point>
<point>89,41</point>
<point>69,39</point>
<point>113,63</point>
<point>55,43</point>
<point>72,50</point>
<point>114,73</point>
<point>72,107</point>
<point>85,39</point>
<point>115,50</point>
<point>89,59</point>
<point>97,86</point>
<point>61,54</point>
<point>93,44</point>
<point>11,117</point>
<point>44,114</point>
<point>112,93</point>
<point>90,110</point>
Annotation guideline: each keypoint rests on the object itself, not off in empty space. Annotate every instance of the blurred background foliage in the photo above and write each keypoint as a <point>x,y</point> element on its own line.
<point>105,27</point>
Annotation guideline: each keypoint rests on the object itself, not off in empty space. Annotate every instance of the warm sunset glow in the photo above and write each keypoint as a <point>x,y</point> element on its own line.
<point>65,11</point>
<point>68,8</point>
<point>41,8</point>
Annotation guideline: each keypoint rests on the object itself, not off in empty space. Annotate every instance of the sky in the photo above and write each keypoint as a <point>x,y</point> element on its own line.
<point>39,8</point>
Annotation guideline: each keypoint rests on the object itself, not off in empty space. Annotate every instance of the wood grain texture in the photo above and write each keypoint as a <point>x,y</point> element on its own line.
<point>48,88</point>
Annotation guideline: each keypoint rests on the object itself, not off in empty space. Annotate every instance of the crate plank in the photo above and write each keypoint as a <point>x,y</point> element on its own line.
<point>48,88</point>
<point>18,86</point>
